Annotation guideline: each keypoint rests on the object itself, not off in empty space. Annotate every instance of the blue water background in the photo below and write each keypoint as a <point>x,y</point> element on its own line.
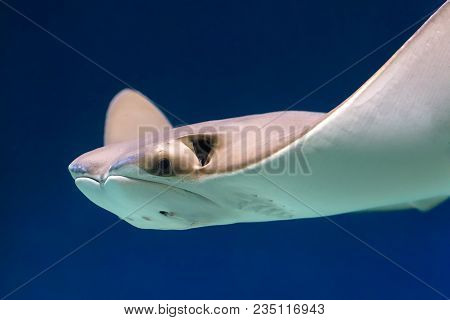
<point>201,60</point>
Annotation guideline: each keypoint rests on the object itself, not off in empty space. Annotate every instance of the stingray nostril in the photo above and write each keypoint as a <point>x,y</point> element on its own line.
<point>166,213</point>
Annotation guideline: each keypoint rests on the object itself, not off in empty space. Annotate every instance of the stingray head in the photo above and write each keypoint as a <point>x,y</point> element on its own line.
<point>146,182</point>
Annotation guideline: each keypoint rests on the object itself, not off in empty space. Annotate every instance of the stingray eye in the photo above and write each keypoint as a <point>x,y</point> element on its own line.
<point>158,167</point>
<point>164,167</point>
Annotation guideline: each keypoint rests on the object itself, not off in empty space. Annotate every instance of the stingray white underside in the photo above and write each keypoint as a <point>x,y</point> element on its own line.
<point>153,205</point>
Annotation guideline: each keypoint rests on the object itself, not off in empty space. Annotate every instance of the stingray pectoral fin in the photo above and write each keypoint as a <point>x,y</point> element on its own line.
<point>421,205</point>
<point>410,94</point>
<point>128,111</point>
<point>389,142</point>
<point>428,204</point>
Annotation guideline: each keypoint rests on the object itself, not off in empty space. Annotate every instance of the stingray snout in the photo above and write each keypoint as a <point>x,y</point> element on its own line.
<point>96,164</point>
<point>82,168</point>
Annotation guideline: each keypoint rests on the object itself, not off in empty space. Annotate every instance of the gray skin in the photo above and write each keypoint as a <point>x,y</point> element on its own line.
<point>234,144</point>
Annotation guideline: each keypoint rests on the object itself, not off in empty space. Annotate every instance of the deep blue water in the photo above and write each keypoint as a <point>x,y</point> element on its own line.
<point>201,60</point>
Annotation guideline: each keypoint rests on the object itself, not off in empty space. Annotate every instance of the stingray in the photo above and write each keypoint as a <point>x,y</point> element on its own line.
<point>386,147</point>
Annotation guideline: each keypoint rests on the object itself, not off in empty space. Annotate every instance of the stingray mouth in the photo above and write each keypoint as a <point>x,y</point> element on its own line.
<point>125,182</point>
<point>101,182</point>
<point>147,204</point>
